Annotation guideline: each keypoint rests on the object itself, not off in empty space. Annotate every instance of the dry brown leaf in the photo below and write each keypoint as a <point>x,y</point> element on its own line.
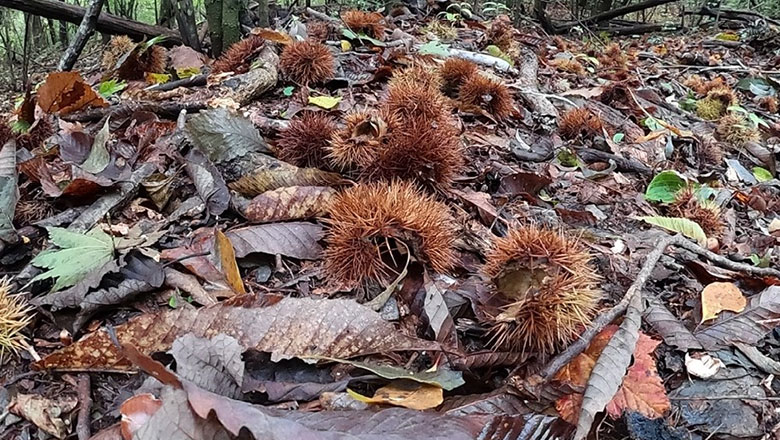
<point>49,415</point>
<point>226,256</point>
<point>66,92</point>
<point>291,327</point>
<point>264,180</point>
<point>405,393</point>
<point>291,203</point>
<point>717,297</point>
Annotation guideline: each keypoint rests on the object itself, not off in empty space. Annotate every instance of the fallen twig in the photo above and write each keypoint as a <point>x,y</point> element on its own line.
<point>85,407</point>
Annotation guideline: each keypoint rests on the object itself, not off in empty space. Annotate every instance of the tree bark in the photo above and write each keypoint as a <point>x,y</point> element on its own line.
<point>106,23</point>
<point>231,27</point>
<point>263,16</point>
<point>185,16</point>
<point>214,18</point>
<point>605,16</point>
<point>86,29</point>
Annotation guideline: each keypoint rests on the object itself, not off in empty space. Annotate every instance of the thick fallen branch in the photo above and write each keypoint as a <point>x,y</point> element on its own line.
<point>106,23</point>
<point>168,110</point>
<point>604,16</point>
<point>85,31</point>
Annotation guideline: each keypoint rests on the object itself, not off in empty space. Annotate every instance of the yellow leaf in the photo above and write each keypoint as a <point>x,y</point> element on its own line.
<point>405,393</point>
<point>650,136</point>
<point>187,72</point>
<point>226,257</point>
<point>346,46</point>
<point>157,78</point>
<point>717,297</point>
<point>326,102</point>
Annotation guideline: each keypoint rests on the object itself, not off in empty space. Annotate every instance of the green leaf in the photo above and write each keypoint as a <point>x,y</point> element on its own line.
<point>325,101</point>
<point>498,53</point>
<point>20,126</point>
<point>762,174</point>
<point>288,91</point>
<point>665,186</point>
<point>435,48</point>
<point>618,137</point>
<point>111,87</point>
<point>187,72</point>
<point>98,158</point>
<point>684,226</point>
<point>153,41</point>
<point>443,378</point>
<point>172,301</point>
<point>79,254</point>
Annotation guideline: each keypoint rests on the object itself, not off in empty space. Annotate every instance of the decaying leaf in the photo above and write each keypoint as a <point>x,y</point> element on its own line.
<point>405,393</point>
<point>208,181</point>
<point>264,180</point>
<point>684,226</point>
<point>223,135</point>
<point>226,257</point>
<point>748,327</point>
<point>50,415</point>
<point>293,239</point>
<point>136,412</point>
<point>213,364</point>
<point>66,92</point>
<point>717,297</point>
<point>440,377</point>
<point>291,327</point>
<point>641,389</point>
<point>291,203</point>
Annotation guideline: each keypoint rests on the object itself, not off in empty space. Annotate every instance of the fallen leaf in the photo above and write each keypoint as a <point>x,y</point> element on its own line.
<point>223,135</point>
<point>213,364</point>
<point>9,193</point>
<point>294,239</point>
<point>405,393</point>
<point>702,365</point>
<point>324,101</point>
<point>748,327</point>
<point>50,415</point>
<point>642,389</point>
<point>440,377</point>
<point>226,257</point>
<point>684,226</point>
<point>184,57</point>
<point>717,297</point>
<point>291,327</point>
<point>66,92</point>
<point>291,203</point>
<point>264,180</point>
<point>79,254</point>
<point>208,182</point>
<point>136,412</point>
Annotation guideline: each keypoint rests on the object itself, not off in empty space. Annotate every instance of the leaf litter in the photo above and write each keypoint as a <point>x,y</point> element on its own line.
<point>634,177</point>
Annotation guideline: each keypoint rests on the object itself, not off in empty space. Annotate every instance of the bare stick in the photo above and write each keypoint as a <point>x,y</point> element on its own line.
<point>727,263</point>
<point>606,318</point>
<point>86,29</point>
<point>85,407</point>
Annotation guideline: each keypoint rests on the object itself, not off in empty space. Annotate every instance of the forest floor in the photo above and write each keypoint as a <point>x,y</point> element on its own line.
<point>364,236</point>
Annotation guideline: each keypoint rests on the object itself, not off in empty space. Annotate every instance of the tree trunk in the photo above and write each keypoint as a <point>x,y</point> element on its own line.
<point>263,16</point>
<point>52,32</point>
<point>38,35</point>
<point>185,16</point>
<point>231,25</point>
<point>214,18</point>
<point>86,29</point>
<point>167,12</point>
<point>106,23</point>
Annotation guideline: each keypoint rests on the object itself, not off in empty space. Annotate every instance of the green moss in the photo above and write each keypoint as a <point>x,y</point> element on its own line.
<point>710,108</point>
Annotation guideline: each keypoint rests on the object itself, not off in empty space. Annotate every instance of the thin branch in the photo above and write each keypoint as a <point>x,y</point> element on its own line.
<point>85,407</point>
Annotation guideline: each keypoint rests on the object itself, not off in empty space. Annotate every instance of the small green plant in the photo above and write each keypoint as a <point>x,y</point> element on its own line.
<point>456,12</point>
<point>111,87</point>
<point>494,9</point>
<point>754,119</point>
<point>689,102</point>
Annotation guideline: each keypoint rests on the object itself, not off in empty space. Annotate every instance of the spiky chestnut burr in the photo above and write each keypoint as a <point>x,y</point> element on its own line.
<point>116,48</point>
<point>305,141</point>
<point>417,75</point>
<point>454,72</point>
<point>371,221</point>
<point>579,121</point>
<point>706,213</point>
<point>409,100</point>
<point>548,288</point>
<point>357,144</point>
<point>368,23</point>
<point>239,56</point>
<point>488,94</point>
<point>427,152</point>
<point>568,65</point>
<point>735,130</point>
<point>501,33</point>
<point>15,315</point>
<point>307,62</point>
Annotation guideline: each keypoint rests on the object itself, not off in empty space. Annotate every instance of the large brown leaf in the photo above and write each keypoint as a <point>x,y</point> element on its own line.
<point>66,92</point>
<point>291,327</point>
<point>761,315</point>
<point>294,239</point>
<point>291,203</point>
<point>262,180</point>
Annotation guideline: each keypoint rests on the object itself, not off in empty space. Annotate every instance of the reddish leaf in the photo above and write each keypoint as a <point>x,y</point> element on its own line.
<point>642,389</point>
<point>66,92</point>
